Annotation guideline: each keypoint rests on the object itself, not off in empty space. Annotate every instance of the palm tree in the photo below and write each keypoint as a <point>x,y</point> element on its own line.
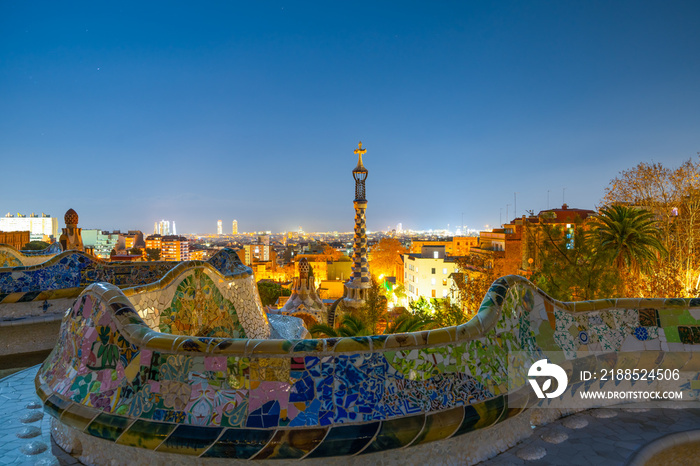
<point>629,239</point>
<point>630,236</point>
<point>409,323</point>
<point>350,326</point>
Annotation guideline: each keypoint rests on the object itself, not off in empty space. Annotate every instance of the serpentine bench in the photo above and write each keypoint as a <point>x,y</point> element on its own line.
<point>121,389</point>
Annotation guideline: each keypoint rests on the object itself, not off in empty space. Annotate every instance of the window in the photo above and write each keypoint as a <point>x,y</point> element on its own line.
<point>444,271</point>
<point>444,282</point>
<point>433,293</point>
<point>444,293</point>
<point>435,254</point>
<point>432,281</point>
<point>433,271</point>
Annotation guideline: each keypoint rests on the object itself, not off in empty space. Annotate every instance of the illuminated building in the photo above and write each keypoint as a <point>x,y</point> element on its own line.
<point>130,240</point>
<point>16,239</point>
<point>103,242</point>
<point>514,249</point>
<point>219,227</point>
<point>39,228</point>
<point>198,254</point>
<point>154,242</point>
<point>258,252</point>
<point>457,246</point>
<point>427,274</point>
<point>234,227</point>
<point>174,248</point>
<point>356,288</point>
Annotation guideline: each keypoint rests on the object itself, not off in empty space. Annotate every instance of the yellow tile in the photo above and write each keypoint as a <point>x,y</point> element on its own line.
<point>440,336</point>
<point>357,344</point>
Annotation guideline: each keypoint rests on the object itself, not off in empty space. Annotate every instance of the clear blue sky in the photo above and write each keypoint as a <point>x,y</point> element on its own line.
<point>130,112</point>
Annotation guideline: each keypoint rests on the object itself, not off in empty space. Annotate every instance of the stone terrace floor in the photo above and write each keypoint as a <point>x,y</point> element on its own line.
<point>605,436</point>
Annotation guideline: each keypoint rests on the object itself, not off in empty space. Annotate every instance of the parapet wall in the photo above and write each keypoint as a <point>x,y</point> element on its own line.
<point>113,378</point>
<point>11,257</point>
<point>37,294</point>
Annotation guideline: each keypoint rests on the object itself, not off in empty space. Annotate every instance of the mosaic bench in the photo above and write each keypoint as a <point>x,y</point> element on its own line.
<point>33,298</point>
<point>121,389</point>
<point>11,257</point>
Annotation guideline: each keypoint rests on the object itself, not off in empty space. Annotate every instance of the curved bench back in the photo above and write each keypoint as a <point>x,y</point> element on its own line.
<point>120,380</point>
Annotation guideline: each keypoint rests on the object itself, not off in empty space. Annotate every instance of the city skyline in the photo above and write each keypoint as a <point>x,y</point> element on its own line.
<point>131,115</point>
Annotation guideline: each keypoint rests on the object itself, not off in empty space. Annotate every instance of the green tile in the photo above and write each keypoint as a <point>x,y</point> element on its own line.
<point>146,434</point>
<point>108,426</point>
<point>78,416</point>
<point>440,425</point>
<point>672,334</point>
<point>686,319</point>
<point>55,405</point>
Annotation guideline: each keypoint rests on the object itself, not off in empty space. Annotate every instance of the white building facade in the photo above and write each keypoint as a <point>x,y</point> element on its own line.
<point>427,274</point>
<point>38,227</point>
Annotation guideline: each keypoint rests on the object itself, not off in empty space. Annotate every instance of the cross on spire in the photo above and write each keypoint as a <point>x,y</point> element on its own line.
<point>360,150</point>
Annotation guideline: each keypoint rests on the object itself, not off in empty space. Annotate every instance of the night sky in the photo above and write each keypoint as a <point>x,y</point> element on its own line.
<point>132,112</point>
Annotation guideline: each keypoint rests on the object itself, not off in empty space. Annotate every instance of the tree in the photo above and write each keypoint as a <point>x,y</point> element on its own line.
<point>394,293</point>
<point>331,254</point>
<point>478,278</point>
<point>153,254</point>
<point>36,246</point>
<point>350,326</point>
<point>270,292</point>
<point>673,196</point>
<point>374,308</point>
<point>630,237</point>
<point>422,307</point>
<point>409,323</point>
<point>136,251</point>
<point>385,256</point>
<point>448,314</point>
<point>574,272</point>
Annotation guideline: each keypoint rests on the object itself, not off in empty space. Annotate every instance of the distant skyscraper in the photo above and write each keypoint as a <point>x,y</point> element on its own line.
<point>219,227</point>
<point>399,228</point>
<point>356,288</point>
<point>174,228</point>
<point>163,228</point>
<point>234,228</point>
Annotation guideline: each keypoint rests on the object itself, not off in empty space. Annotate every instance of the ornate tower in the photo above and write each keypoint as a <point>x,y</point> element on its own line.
<point>356,288</point>
<point>71,238</point>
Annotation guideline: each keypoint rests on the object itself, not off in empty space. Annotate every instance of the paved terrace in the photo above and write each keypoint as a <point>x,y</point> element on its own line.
<point>604,436</point>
